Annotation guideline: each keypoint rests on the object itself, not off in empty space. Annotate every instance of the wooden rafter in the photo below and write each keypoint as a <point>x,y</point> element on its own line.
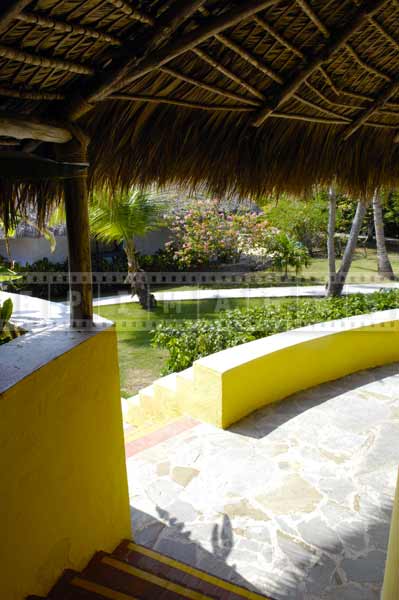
<point>190,40</point>
<point>325,98</point>
<point>307,118</point>
<point>338,91</point>
<point>356,95</point>
<point>29,94</point>
<point>66,27</point>
<point>135,14</point>
<point>133,68</point>
<point>174,17</point>
<point>277,36</point>
<point>23,127</point>
<point>207,86</point>
<point>10,11</point>
<point>308,10</point>
<point>378,125</point>
<point>384,32</point>
<point>388,113</point>
<point>340,37</point>
<point>228,73</point>
<point>329,80</point>
<point>380,102</point>
<point>249,57</point>
<point>177,102</point>
<point>355,55</point>
<point>315,106</point>
<point>28,58</point>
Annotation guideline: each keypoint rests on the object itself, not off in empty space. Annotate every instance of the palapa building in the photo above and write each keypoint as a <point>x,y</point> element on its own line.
<point>246,97</point>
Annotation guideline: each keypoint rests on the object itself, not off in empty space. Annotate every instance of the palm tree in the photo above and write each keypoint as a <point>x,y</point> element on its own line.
<point>337,280</point>
<point>384,264</point>
<point>120,218</point>
<point>332,218</point>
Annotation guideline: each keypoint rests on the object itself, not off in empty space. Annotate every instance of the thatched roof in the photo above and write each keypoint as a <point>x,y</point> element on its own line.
<point>247,96</point>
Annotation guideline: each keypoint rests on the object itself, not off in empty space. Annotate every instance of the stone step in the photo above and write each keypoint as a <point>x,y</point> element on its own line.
<point>195,582</point>
<point>184,387</point>
<point>134,572</point>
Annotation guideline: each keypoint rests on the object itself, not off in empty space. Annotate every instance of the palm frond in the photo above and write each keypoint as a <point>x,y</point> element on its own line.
<point>126,214</point>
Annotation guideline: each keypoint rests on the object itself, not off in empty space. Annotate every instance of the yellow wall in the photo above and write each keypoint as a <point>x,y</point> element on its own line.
<point>63,486</point>
<point>391,579</point>
<point>225,387</point>
<point>276,375</point>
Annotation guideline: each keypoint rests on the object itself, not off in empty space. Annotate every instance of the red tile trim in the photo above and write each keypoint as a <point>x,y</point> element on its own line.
<point>160,435</point>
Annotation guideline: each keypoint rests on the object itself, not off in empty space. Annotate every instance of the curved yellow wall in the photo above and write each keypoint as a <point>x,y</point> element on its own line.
<point>63,487</point>
<point>225,387</point>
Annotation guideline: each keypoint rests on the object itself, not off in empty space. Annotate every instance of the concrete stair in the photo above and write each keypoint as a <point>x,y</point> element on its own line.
<point>134,572</point>
<point>163,400</point>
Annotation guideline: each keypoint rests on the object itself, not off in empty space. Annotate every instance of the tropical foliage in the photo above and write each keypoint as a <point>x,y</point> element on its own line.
<point>285,252</point>
<point>189,340</point>
<point>7,274</point>
<point>120,218</point>
<point>205,234</point>
<point>302,220</point>
<point>8,331</point>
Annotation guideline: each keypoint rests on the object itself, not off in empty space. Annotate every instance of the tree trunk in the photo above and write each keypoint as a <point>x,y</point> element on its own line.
<point>332,217</point>
<point>138,279</point>
<point>8,250</point>
<point>384,264</point>
<point>336,288</point>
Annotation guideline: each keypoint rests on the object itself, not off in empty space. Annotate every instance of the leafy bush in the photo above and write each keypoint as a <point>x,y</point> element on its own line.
<point>7,330</point>
<point>42,290</point>
<point>189,340</point>
<point>303,220</point>
<point>205,234</point>
<point>285,252</point>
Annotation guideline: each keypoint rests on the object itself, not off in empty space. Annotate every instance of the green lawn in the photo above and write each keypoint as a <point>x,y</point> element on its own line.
<point>139,362</point>
<point>363,270</point>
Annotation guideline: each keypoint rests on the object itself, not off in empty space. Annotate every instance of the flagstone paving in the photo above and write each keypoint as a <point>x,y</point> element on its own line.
<point>294,500</point>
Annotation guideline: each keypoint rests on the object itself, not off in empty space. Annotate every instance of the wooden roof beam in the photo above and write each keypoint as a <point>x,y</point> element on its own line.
<point>29,94</point>
<point>132,68</point>
<point>364,64</point>
<point>192,39</point>
<point>134,14</point>
<point>10,11</point>
<point>308,10</point>
<point>42,61</point>
<point>277,36</point>
<point>338,39</point>
<point>389,90</point>
<point>24,127</point>
<point>315,106</point>
<point>65,27</point>
<point>178,102</point>
<point>228,73</point>
<point>384,32</point>
<point>338,91</point>
<point>209,87</point>
<point>174,17</point>
<point>249,57</point>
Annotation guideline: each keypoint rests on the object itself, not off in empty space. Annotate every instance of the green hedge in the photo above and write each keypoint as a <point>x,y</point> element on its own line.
<point>189,340</point>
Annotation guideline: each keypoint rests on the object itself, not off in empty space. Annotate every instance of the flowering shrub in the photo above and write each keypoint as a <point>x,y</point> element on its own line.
<point>189,340</point>
<point>205,234</point>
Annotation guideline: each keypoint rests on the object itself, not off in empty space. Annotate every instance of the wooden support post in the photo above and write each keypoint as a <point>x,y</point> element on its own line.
<point>77,220</point>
